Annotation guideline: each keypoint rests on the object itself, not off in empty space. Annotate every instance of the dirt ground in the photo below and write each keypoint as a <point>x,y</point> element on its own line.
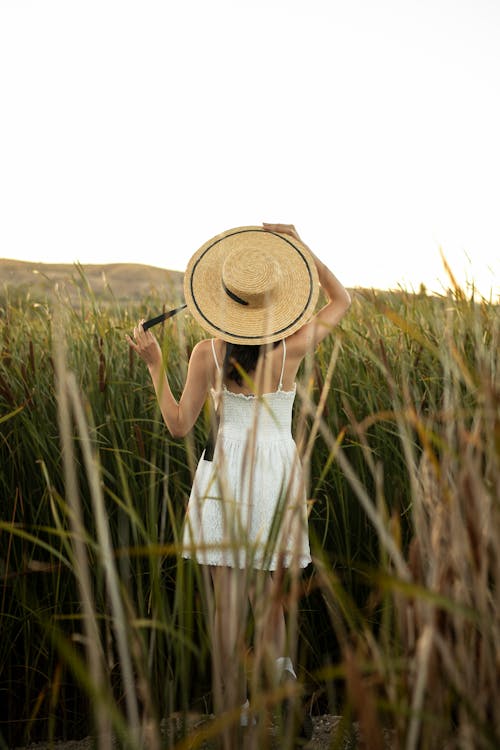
<point>326,729</point>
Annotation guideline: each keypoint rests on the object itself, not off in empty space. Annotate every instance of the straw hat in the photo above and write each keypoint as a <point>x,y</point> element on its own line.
<point>251,286</point>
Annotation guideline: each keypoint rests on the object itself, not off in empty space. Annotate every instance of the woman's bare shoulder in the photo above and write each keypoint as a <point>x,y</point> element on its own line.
<point>199,357</point>
<point>203,354</point>
<point>203,345</point>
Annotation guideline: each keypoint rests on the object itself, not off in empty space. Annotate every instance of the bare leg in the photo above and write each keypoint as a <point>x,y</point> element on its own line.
<point>228,636</point>
<point>270,628</point>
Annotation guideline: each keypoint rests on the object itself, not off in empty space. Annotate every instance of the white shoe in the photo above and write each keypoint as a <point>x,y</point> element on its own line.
<point>284,668</point>
<point>245,715</point>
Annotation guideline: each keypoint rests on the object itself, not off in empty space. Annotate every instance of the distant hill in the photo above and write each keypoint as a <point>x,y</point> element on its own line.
<point>125,281</point>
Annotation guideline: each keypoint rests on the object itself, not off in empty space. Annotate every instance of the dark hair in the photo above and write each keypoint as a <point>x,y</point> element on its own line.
<point>240,357</point>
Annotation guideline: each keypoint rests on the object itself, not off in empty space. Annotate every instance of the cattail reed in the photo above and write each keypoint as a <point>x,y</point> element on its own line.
<point>102,366</point>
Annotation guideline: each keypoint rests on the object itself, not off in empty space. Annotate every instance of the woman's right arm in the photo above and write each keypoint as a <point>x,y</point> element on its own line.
<point>338,303</point>
<point>308,337</point>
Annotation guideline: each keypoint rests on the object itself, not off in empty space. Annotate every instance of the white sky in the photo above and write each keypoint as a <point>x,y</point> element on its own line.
<point>133,131</point>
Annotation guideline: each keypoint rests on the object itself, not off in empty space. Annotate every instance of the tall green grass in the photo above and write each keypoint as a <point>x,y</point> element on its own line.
<point>104,626</point>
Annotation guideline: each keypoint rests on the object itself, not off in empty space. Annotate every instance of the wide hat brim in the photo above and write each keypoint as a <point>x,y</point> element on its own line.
<point>251,286</point>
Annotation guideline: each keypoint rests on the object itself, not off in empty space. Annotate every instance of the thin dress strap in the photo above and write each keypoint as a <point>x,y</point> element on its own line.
<point>215,357</point>
<point>280,387</point>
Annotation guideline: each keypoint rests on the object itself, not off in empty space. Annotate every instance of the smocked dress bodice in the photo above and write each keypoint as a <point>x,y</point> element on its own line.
<point>271,412</point>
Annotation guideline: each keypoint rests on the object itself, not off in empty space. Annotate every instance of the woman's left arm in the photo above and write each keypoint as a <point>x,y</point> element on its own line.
<point>180,416</point>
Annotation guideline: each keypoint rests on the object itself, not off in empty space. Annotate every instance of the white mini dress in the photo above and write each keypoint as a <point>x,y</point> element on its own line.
<point>247,506</point>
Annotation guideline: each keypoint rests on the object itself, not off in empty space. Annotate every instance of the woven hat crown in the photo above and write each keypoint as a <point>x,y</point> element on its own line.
<point>253,278</point>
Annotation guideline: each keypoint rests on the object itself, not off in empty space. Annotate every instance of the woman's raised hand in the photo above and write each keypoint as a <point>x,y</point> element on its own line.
<point>282,229</point>
<point>146,345</point>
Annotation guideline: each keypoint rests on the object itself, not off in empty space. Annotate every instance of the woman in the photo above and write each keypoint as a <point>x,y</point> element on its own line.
<point>254,289</point>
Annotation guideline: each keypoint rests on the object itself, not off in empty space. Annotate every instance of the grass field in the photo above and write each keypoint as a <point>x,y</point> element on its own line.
<point>397,622</point>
